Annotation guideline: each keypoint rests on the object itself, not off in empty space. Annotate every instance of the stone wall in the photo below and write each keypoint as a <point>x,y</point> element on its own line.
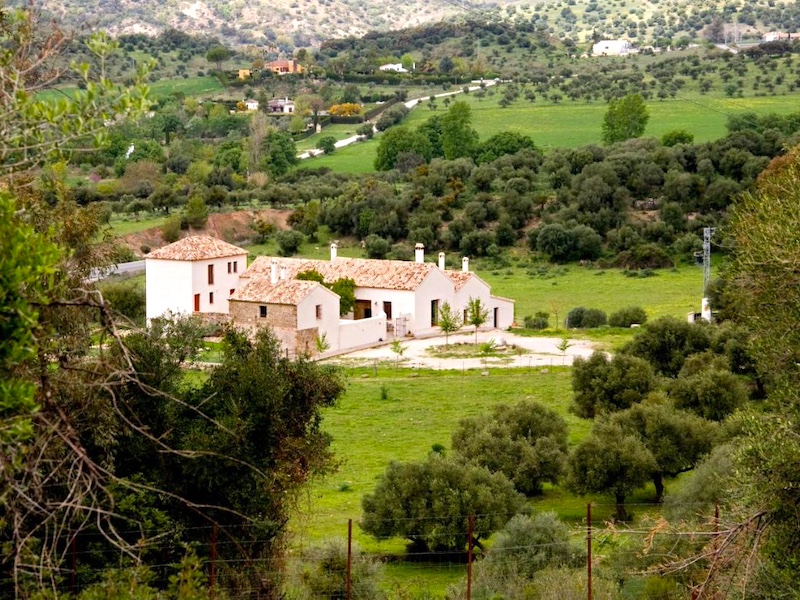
<point>282,319</point>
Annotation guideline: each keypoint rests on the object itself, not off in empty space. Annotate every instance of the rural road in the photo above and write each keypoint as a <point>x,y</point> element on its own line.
<point>535,352</point>
<point>410,104</point>
<point>129,268</point>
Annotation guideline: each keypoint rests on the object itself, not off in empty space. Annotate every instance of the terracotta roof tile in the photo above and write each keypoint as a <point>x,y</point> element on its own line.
<point>459,278</point>
<point>260,289</point>
<point>380,274</point>
<point>197,247</point>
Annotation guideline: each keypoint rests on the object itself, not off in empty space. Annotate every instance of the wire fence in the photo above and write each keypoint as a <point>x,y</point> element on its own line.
<point>587,557</point>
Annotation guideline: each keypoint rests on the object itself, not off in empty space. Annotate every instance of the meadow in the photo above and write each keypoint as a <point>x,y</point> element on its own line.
<point>570,124</point>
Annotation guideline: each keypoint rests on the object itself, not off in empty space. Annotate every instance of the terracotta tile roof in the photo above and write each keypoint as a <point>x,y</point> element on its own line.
<point>261,290</point>
<point>197,247</point>
<point>380,274</point>
<point>459,278</point>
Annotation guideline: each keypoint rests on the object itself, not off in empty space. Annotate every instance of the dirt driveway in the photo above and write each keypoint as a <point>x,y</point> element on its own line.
<point>534,352</point>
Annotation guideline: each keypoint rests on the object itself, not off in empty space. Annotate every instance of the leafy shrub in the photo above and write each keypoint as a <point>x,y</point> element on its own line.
<point>376,246</point>
<point>586,318</point>
<point>127,299</point>
<point>288,242</point>
<point>626,317</point>
<point>541,320</point>
<point>643,256</point>
<point>327,144</point>
<point>171,229</point>
<point>324,573</point>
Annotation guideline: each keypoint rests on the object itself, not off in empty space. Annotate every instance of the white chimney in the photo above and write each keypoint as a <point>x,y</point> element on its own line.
<point>273,272</point>
<point>465,264</point>
<point>441,261</point>
<point>283,272</point>
<point>419,253</point>
<point>334,248</point>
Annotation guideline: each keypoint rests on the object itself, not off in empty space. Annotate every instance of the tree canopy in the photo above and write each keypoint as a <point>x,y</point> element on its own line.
<point>625,118</point>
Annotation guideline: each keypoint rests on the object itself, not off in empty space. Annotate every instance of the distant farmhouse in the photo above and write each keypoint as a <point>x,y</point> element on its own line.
<point>283,67</point>
<point>281,105</point>
<point>612,48</point>
<point>394,298</point>
<point>776,36</point>
<point>251,104</point>
<point>396,67</point>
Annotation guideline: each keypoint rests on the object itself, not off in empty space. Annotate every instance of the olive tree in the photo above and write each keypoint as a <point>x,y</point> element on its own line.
<point>527,442</point>
<point>430,502</point>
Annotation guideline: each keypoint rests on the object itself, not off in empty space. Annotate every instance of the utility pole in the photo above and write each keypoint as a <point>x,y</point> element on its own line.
<point>705,308</point>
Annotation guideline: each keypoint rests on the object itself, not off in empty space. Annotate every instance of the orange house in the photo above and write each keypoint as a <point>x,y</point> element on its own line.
<point>282,67</point>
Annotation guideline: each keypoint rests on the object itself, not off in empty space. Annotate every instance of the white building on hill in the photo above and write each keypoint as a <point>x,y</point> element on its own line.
<point>612,48</point>
<point>194,275</point>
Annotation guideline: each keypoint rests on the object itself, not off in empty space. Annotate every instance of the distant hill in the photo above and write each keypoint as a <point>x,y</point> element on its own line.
<point>283,25</point>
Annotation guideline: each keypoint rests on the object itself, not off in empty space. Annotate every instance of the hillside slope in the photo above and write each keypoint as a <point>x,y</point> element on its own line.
<point>288,24</point>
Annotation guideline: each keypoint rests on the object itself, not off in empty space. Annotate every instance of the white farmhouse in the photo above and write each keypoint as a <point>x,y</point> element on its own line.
<point>395,67</point>
<point>612,48</point>
<point>393,298</point>
<point>194,275</point>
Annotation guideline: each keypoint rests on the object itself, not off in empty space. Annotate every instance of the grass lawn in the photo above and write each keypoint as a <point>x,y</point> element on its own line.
<point>419,411</point>
<point>673,292</point>
<point>355,158</point>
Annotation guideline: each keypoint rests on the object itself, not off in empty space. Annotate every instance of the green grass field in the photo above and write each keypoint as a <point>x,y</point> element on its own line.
<point>673,292</point>
<point>570,124</point>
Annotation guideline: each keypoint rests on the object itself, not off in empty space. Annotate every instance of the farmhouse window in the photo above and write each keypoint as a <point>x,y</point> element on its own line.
<point>230,267</point>
<point>434,312</point>
<point>210,274</point>
<point>319,311</point>
<point>211,297</point>
<point>262,311</point>
<point>236,266</point>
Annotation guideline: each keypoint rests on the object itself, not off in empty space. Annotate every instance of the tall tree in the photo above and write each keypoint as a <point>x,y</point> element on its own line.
<point>625,118</point>
<point>459,138</point>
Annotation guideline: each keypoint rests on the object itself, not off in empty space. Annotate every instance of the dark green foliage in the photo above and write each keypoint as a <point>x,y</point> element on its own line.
<point>526,442</point>
<point>610,461</point>
<point>541,320</point>
<point>602,385</point>
<point>555,240</point>
<point>502,144</point>
<point>196,212</point>
<point>279,153</point>
<point>712,393</point>
<point>677,136</point>
<point>327,144</point>
<point>288,241</point>
<point>666,342</point>
<point>429,503</point>
<point>399,140</point>
<point>585,318</point>
<point>391,116</point>
<point>127,298</point>
<point>376,246</point>
<point>644,256</point>
<point>676,439</point>
<point>458,136</point>
<point>563,244</point>
<point>346,290</point>
<point>625,317</point>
